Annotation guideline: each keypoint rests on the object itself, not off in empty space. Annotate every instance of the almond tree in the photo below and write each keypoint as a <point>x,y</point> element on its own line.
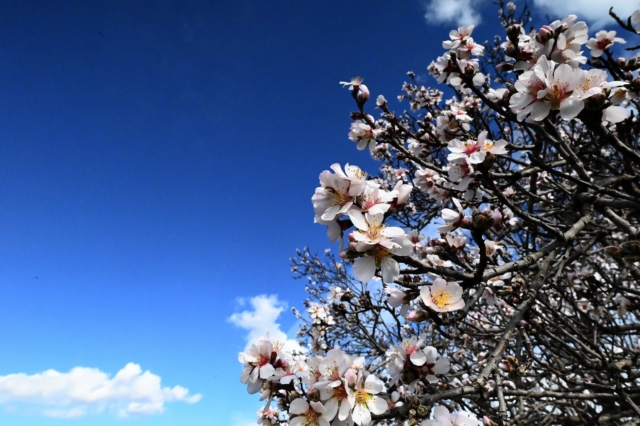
<point>490,272</point>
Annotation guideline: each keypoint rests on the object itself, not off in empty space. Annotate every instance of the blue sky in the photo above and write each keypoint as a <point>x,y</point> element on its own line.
<point>157,160</point>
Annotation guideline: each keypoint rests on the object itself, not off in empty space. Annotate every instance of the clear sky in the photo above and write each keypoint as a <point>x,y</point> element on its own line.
<point>157,160</point>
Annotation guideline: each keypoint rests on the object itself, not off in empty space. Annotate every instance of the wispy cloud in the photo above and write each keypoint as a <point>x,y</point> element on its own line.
<point>455,12</point>
<point>465,12</point>
<point>262,319</point>
<point>594,12</point>
<point>84,391</point>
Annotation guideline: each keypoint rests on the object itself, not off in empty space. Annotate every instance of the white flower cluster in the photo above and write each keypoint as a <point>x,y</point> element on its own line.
<point>450,154</point>
<point>336,388</point>
<point>349,194</point>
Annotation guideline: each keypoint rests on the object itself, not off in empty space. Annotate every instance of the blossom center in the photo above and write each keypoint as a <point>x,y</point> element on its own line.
<point>338,197</point>
<point>603,44</point>
<point>340,393</point>
<point>557,93</point>
<point>470,148</point>
<point>379,253</point>
<point>375,231</point>
<point>441,298</point>
<point>363,397</point>
<point>312,418</point>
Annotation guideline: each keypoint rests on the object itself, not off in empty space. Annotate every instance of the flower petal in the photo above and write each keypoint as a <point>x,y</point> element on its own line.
<point>364,268</point>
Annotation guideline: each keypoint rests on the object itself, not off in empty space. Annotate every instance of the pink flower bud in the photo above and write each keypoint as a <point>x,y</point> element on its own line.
<point>488,422</point>
<point>545,34</point>
<point>363,94</point>
<point>417,316</point>
<point>351,376</point>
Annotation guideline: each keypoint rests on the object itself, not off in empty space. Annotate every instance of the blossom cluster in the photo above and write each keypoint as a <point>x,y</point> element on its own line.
<point>464,248</point>
<point>349,194</point>
<point>335,388</point>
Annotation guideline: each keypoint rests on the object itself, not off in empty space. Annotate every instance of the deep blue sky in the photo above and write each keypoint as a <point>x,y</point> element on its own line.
<point>157,160</point>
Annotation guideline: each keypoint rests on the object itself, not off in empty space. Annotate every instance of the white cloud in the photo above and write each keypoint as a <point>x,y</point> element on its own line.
<point>594,12</point>
<point>262,320</point>
<point>84,391</point>
<point>457,12</point>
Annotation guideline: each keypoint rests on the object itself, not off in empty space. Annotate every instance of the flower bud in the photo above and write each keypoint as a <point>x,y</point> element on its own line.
<point>511,7</point>
<point>511,51</point>
<point>464,223</point>
<point>595,102</point>
<point>349,254</point>
<point>417,316</point>
<point>423,411</point>
<point>489,160</point>
<point>482,220</point>
<point>613,251</point>
<point>381,102</point>
<point>488,422</point>
<point>506,367</point>
<point>513,32</point>
<point>351,376</point>
<point>410,295</point>
<point>362,95</point>
<point>545,34</point>
<point>505,66</point>
<point>630,247</point>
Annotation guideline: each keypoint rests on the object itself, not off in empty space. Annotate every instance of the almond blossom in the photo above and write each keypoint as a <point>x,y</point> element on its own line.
<point>443,417</point>
<point>375,200</point>
<point>452,219</point>
<point>308,414</point>
<point>365,400</point>
<point>434,365</point>
<point>572,35</point>
<point>461,172</point>
<point>470,150</point>
<point>442,296</point>
<point>364,135</point>
<point>257,364</point>
<point>337,401</point>
<point>458,37</point>
<point>603,40</point>
<point>545,88</point>
<point>372,231</point>
<point>333,368</point>
<point>379,257</point>
<point>333,197</point>
<point>412,348</point>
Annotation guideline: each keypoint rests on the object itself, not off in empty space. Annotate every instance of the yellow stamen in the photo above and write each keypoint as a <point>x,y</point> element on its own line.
<point>363,397</point>
<point>441,298</point>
